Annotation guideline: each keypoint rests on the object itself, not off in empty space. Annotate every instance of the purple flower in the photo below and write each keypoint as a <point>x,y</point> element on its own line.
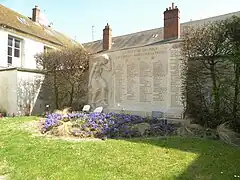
<point>99,124</point>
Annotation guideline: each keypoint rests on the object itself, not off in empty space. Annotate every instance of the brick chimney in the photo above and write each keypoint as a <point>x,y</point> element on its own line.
<point>107,38</point>
<point>35,14</point>
<point>172,23</point>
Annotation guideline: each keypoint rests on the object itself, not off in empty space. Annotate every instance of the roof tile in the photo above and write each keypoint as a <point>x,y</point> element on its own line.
<point>13,20</point>
<point>148,37</point>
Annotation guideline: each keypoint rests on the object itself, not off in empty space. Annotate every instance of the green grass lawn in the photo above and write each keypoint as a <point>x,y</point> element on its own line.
<point>23,156</point>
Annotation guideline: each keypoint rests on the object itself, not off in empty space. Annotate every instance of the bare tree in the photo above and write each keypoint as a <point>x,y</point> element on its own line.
<point>65,72</point>
<point>49,62</point>
<point>74,64</point>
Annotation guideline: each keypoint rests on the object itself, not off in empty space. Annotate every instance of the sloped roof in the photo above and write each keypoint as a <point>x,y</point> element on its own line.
<point>12,20</point>
<point>148,37</point>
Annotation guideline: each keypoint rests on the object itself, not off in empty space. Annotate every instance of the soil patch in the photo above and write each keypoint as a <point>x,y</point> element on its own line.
<point>34,128</point>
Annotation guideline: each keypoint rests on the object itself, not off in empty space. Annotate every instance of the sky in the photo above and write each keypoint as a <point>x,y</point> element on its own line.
<point>75,18</point>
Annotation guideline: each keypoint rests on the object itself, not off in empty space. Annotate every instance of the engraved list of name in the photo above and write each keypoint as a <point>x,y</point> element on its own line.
<point>132,80</point>
<point>144,76</point>
<point>119,83</point>
<point>145,81</point>
<point>175,77</point>
<point>159,86</point>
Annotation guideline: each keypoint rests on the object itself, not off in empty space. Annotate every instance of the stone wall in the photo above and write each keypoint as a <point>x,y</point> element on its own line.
<point>138,80</point>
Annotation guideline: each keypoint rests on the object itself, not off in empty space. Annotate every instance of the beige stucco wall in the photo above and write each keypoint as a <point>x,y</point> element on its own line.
<point>29,99</point>
<point>8,95</point>
<point>138,80</point>
<point>20,92</point>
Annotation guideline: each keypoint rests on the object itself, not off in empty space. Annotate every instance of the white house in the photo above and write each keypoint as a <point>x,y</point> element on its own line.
<point>21,38</point>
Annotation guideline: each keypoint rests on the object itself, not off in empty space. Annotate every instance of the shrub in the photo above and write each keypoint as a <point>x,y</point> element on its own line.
<point>227,135</point>
<point>3,112</point>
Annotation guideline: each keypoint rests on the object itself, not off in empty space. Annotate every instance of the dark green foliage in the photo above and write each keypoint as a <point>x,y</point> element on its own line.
<point>212,72</point>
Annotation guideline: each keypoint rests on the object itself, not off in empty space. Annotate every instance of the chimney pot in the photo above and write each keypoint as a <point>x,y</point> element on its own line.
<point>172,23</point>
<point>107,26</point>
<point>35,14</point>
<point>107,38</point>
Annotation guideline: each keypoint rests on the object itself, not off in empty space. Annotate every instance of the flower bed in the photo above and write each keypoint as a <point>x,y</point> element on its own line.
<point>101,125</point>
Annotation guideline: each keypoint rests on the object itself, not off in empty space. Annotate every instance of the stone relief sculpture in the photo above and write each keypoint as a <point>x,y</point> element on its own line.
<point>98,86</point>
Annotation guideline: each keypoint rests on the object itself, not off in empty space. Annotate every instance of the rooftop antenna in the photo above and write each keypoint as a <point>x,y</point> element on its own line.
<point>51,24</point>
<point>93,32</point>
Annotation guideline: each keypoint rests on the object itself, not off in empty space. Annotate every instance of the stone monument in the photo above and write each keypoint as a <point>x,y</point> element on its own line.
<point>139,80</point>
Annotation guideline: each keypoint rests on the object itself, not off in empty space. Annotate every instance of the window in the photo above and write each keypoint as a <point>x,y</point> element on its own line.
<point>22,20</point>
<point>14,49</point>
<point>47,49</point>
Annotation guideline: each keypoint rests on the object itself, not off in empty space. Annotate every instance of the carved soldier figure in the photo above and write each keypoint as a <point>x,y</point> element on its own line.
<point>97,83</point>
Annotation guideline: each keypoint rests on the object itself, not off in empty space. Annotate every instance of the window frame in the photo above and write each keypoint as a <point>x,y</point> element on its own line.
<point>47,49</point>
<point>15,52</point>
